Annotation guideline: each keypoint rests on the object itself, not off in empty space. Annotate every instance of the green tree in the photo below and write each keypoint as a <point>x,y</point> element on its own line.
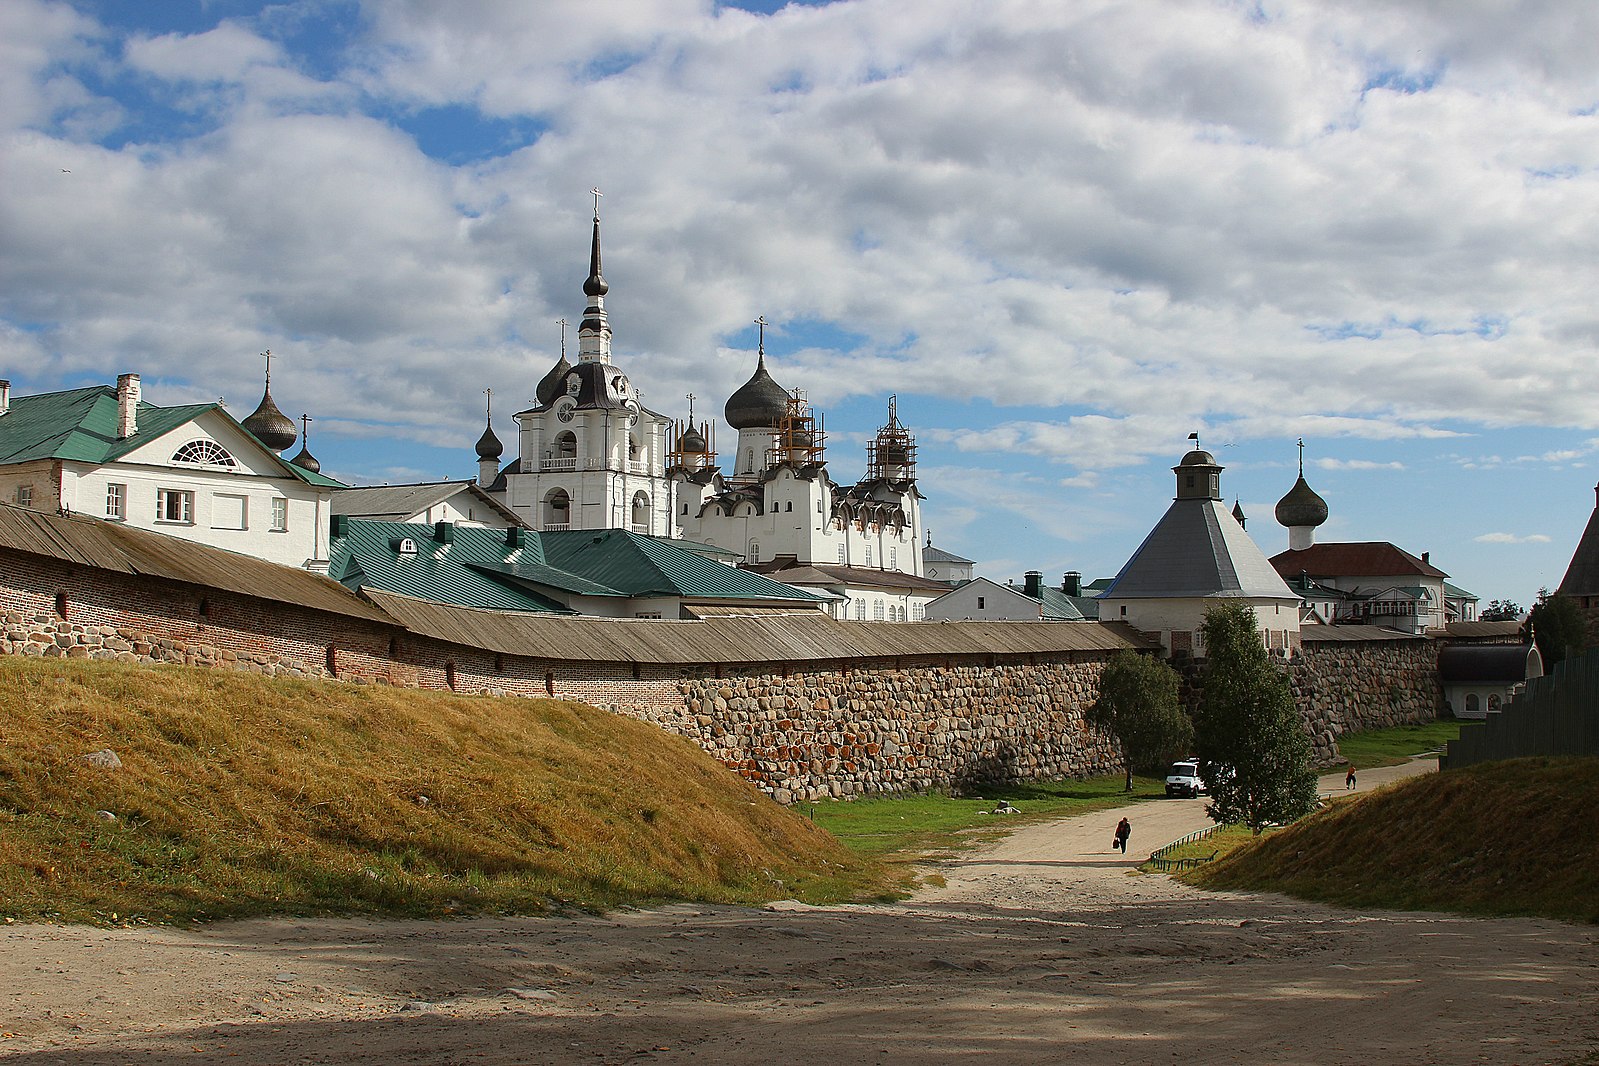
<point>1556,622</point>
<point>1501,611</point>
<point>1138,705</point>
<point>1253,749</point>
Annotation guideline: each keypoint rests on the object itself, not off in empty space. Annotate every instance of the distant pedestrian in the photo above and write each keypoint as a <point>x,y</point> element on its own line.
<point>1349,779</point>
<point>1124,829</point>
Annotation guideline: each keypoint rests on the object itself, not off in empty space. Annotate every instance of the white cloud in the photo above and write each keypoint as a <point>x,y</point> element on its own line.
<point>1511,538</point>
<point>1357,464</point>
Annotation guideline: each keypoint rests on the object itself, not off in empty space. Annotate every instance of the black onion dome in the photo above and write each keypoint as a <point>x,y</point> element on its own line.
<point>306,461</point>
<point>1301,507</point>
<point>488,445</point>
<point>271,426</point>
<point>692,442</point>
<point>759,403</point>
<point>550,384</point>
<point>595,284</point>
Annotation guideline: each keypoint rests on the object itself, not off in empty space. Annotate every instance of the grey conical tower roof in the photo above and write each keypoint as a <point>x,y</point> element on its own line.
<point>1582,576</point>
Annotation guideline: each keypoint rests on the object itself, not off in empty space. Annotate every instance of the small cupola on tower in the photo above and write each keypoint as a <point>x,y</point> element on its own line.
<point>550,385</point>
<point>1301,510</point>
<point>1198,475</point>
<point>891,455</point>
<point>489,448</point>
<point>269,425</point>
<point>594,333</point>
<point>692,449</point>
<point>303,458</point>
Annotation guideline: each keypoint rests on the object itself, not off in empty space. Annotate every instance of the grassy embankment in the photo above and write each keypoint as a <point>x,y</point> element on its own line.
<point>906,830</point>
<point>1504,838</point>
<point>239,795</point>
<point>1390,747</point>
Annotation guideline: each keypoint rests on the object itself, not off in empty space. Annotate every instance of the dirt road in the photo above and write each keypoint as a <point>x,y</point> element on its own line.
<point>1043,947</point>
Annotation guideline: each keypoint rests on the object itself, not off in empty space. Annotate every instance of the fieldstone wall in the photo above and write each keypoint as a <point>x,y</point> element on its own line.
<point>852,732</point>
<point>1345,687</point>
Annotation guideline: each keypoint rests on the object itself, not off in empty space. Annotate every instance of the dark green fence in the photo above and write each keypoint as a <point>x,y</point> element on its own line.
<point>1554,715</point>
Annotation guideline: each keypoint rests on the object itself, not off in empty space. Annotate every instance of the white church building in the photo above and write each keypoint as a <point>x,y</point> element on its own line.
<point>592,456</point>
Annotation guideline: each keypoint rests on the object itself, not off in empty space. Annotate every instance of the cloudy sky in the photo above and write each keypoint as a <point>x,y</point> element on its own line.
<point>1066,233</point>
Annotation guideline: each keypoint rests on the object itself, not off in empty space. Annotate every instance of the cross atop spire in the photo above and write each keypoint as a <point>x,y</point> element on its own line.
<point>267,355</point>
<point>691,399</point>
<point>488,404</point>
<point>1301,456</point>
<point>596,194</point>
<point>761,344</point>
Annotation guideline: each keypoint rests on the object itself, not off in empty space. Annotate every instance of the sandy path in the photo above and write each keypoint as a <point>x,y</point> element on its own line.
<point>1041,947</point>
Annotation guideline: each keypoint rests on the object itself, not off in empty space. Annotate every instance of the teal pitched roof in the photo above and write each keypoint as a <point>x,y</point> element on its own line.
<point>368,556</point>
<point>637,565</point>
<point>479,567</point>
<point>81,425</point>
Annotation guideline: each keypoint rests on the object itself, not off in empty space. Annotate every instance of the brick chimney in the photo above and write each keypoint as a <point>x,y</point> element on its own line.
<point>5,397</point>
<point>1033,584</point>
<point>127,405</point>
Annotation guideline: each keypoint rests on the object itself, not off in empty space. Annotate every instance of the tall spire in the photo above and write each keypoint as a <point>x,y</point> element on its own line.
<point>594,334</point>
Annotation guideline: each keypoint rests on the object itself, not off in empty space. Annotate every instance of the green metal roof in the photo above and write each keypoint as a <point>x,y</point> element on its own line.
<point>368,555</point>
<point>478,567</point>
<point>638,565</point>
<point>81,425</point>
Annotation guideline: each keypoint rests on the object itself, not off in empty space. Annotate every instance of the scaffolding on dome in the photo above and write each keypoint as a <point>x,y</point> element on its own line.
<point>891,456</point>
<point>800,438</point>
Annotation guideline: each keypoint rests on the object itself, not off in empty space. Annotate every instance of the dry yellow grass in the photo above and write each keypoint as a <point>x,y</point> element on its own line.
<point>1512,838</point>
<point>241,795</point>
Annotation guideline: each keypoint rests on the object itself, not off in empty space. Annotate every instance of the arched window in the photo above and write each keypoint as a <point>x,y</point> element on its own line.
<point>1473,705</point>
<point>204,453</point>
<point>566,445</point>
<point>641,512</point>
<point>755,551</point>
<point>557,510</point>
<point>1493,703</point>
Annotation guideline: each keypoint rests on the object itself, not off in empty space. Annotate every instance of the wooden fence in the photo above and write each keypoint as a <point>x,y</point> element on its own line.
<point>1557,714</point>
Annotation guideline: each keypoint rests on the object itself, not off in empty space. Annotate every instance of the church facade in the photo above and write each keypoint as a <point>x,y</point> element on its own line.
<point>591,455</point>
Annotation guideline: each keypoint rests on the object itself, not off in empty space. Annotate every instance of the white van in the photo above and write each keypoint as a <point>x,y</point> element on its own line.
<point>1183,779</point>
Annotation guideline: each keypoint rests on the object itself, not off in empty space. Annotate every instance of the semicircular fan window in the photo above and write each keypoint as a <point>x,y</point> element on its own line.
<point>204,453</point>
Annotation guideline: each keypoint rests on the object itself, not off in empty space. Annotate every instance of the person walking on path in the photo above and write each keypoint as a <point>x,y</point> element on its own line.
<point>1349,778</point>
<point>1124,829</point>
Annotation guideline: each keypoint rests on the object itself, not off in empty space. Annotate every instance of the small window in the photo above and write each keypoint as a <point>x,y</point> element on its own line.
<point>877,610</point>
<point>841,553</point>
<point>860,610</point>
<point>893,558</point>
<point>685,508</point>
<point>204,453</point>
<point>24,495</point>
<point>1473,704</point>
<point>755,551</point>
<point>280,515</point>
<point>116,502</point>
<point>790,506</point>
<point>868,555</point>
<point>173,505</point>
<point>980,602</point>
